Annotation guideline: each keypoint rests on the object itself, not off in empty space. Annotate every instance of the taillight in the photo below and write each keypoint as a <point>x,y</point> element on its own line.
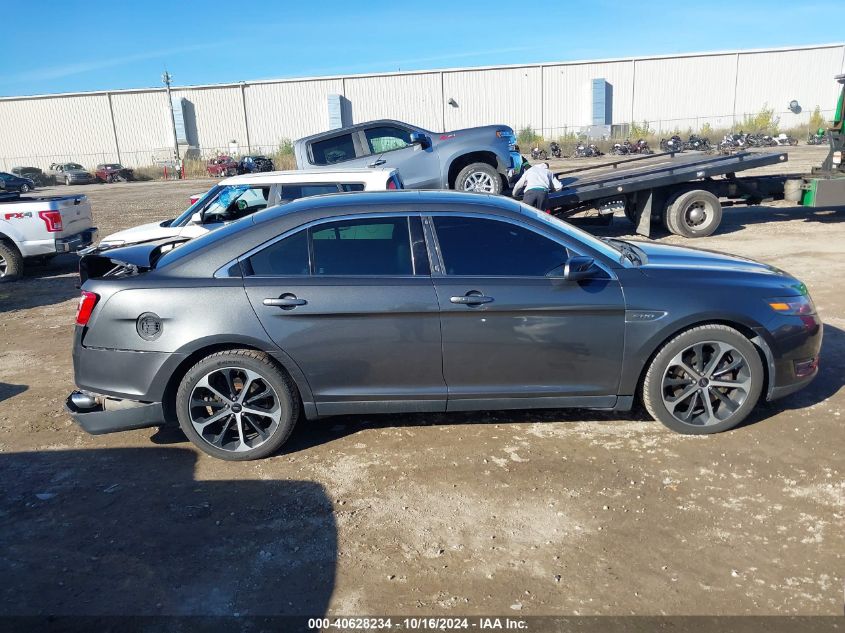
<point>53,220</point>
<point>391,183</point>
<point>86,306</point>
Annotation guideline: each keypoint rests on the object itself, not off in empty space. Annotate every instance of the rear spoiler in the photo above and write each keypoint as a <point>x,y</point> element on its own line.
<point>125,261</point>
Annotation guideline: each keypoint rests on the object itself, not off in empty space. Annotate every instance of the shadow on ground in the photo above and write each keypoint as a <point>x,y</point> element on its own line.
<point>733,219</point>
<point>131,532</point>
<point>42,285</point>
<point>10,391</point>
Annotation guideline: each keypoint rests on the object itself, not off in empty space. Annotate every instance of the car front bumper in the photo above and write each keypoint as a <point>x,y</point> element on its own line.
<point>793,349</point>
<point>111,415</point>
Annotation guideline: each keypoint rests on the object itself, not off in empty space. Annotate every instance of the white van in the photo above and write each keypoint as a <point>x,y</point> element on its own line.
<point>239,196</point>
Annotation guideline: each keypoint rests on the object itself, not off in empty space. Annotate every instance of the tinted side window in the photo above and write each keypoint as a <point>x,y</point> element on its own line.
<point>377,246</point>
<point>295,192</point>
<point>385,139</point>
<point>352,186</point>
<point>477,246</point>
<point>285,257</point>
<point>333,150</point>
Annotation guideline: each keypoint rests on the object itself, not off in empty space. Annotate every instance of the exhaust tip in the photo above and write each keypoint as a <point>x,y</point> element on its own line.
<point>83,400</point>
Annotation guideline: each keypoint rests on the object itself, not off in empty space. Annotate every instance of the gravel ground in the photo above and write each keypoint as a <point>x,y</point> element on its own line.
<point>521,513</point>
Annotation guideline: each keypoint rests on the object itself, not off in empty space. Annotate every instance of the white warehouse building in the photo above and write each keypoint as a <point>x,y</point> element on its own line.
<point>678,92</point>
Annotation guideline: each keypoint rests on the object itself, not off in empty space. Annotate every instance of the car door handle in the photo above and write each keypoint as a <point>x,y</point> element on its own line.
<point>471,300</point>
<point>285,301</point>
<point>376,163</point>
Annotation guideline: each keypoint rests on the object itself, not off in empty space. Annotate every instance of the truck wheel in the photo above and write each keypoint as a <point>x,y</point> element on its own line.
<point>696,213</point>
<point>237,405</point>
<point>704,380</point>
<point>479,178</point>
<point>11,262</point>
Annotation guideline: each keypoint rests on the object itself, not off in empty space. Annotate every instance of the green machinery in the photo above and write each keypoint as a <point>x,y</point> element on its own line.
<point>825,186</point>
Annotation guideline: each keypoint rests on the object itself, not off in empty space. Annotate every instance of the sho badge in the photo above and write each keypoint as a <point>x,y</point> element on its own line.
<point>149,326</point>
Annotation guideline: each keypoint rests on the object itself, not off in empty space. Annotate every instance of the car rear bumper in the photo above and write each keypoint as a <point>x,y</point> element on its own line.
<point>111,415</point>
<point>69,244</point>
<point>77,242</point>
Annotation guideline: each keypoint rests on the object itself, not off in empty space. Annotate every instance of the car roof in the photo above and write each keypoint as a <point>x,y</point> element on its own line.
<point>469,202</point>
<point>309,175</point>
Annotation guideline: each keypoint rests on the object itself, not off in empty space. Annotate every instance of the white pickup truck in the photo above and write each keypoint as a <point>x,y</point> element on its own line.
<point>40,227</point>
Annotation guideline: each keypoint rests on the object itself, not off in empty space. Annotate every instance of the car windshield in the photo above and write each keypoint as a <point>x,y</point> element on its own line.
<point>185,216</point>
<point>112,166</point>
<point>73,166</point>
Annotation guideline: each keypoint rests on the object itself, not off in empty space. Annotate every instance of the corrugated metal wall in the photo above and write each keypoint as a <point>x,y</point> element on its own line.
<point>668,92</point>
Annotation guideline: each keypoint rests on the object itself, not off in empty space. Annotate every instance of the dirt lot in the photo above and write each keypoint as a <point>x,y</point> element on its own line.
<point>521,513</point>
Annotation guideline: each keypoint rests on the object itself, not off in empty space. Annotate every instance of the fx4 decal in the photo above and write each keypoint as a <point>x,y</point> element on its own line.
<point>19,216</point>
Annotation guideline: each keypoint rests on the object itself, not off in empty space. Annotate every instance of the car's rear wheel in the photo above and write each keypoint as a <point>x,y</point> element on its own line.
<point>479,178</point>
<point>11,262</point>
<point>237,405</point>
<point>704,380</point>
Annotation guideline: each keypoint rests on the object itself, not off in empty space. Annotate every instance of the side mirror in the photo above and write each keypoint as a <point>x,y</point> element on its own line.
<point>196,218</point>
<point>421,139</point>
<point>578,268</point>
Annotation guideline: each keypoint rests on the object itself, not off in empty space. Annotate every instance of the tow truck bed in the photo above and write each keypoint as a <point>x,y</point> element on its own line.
<point>646,183</point>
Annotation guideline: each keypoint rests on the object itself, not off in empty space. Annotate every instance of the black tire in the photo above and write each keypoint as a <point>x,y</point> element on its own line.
<point>695,213</point>
<point>233,361</point>
<point>659,382</point>
<point>11,262</point>
<point>477,173</point>
<point>25,188</point>
<point>67,181</point>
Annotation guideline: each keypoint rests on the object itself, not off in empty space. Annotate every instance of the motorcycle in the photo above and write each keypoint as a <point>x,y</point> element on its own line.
<point>698,143</point>
<point>641,147</point>
<point>583,150</point>
<point>538,153</point>
<point>673,144</point>
<point>554,148</point>
<point>621,149</point>
<point>817,139</point>
<point>785,139</point>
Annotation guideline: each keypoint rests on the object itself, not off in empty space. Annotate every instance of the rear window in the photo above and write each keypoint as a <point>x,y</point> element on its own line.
<point>333,150</point>
<point>379,246</point>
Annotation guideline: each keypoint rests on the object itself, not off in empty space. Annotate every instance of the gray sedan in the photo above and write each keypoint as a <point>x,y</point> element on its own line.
<point>425,302</point>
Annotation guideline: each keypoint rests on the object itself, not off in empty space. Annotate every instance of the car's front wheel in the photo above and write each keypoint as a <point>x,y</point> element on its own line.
<point>479,178</point>
<point>25,188</point>
<point>237,405</point>
<point>704,380</point>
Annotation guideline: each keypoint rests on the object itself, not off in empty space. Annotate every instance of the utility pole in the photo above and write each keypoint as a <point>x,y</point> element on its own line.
<point>166,77</point>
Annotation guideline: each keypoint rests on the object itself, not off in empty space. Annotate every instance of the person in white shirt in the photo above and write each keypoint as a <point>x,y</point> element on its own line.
<point>537,181</point>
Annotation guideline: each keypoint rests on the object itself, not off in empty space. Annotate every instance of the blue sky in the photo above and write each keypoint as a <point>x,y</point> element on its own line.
<point>61,46</point>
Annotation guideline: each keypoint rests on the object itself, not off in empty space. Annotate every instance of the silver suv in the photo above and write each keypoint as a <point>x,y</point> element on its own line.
<point>482,159</point>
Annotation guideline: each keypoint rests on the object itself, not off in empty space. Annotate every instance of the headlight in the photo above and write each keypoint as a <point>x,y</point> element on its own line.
<point>798,306</point>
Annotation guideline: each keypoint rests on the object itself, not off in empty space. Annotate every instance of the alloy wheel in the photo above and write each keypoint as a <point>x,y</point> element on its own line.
<point>706,383</point>
<point>234,409</point>
<point>479,182</point>
<point>4,267</point>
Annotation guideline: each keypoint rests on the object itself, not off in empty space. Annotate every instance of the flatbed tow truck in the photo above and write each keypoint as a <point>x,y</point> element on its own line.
<point>688,191</point>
